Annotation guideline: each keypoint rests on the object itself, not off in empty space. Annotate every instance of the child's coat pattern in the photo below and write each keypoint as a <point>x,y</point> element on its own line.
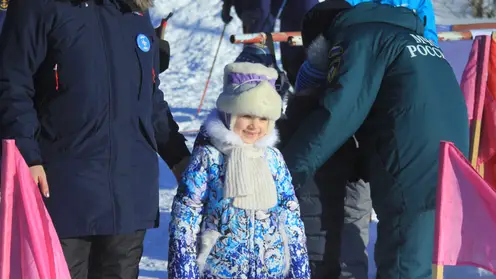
<point>231,242</point>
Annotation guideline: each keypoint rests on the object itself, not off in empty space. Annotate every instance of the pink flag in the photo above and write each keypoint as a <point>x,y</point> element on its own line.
<point>466,214</point>
<point>29,246</point>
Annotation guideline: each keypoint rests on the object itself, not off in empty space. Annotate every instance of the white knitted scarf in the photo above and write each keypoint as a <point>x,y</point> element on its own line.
<point>248,179</point>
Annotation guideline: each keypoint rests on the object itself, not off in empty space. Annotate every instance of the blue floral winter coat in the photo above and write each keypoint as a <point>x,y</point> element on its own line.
<point>212,239</point>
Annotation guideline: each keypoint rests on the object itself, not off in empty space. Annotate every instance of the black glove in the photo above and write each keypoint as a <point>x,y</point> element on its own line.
<point>226,12</point>
<point>282,84</point>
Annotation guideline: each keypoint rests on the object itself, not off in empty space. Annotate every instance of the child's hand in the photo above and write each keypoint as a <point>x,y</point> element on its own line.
<point>39,176</point>
<point>179,168</point>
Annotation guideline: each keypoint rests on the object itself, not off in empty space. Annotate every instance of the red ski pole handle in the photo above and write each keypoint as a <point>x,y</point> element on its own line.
<point>163,25</point>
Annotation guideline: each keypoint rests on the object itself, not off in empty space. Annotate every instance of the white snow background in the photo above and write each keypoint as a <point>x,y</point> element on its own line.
<point>194,33</point>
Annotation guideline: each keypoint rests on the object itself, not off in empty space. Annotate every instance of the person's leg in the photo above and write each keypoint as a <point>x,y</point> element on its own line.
<point>355,234</point>
<point>322,211</point>
<point>116,256</point>
<point>76,253</point>
<point>293,57</point>
<point>256,16</point>
<point>322,214</point>
<point>404,246</point>
<point>405,232</point>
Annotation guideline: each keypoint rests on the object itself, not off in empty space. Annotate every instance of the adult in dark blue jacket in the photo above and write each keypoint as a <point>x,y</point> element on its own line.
<point>261,15</point>
<point>79,94</point>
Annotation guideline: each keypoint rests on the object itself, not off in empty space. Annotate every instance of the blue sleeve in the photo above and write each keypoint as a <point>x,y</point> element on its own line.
<point>23,47</point>
<point>354,80</point>
<point>171,144</point>
<point>186,217</point>
<point>425,10</point>
<point>356,2</point>
<point>294,228</point>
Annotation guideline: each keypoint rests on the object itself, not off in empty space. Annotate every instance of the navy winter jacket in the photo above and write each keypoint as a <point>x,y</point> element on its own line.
<point>79,94</point>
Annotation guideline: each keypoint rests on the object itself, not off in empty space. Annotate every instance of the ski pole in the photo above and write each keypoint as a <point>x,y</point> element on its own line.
<point>279,12</point>
<point>163,25</point>
<point>211,70</point>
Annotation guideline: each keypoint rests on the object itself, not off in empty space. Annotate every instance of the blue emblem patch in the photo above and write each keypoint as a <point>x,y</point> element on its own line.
<point>143,42</point>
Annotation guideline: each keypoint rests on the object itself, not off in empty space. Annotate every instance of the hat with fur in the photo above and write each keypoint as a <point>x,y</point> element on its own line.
<point>255,53</point>
<point>249,89</point>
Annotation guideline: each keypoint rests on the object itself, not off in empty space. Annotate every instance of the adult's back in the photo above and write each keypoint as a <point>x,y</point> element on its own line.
<point>423,8</point>
<point>395,91</point>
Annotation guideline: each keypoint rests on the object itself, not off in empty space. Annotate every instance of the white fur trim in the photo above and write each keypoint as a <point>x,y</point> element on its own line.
<point>261,100</point>
<point>269,140</point>
<point>207,242</point>
<point>219,132</point>
<point>250,68</point>
<point>318,53</point>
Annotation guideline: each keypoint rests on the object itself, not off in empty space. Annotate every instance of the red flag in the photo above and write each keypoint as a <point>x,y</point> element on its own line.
<point>466,214</point>
<point>474,77</point>
<point>29,246</point>
<point>488,134</point>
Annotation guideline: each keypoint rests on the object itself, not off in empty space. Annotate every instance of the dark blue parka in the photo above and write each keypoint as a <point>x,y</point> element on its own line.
<point>79,93</point>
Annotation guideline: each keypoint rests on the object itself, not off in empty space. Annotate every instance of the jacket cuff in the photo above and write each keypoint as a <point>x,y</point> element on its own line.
<point>30,151</point>
<point>174,150</point>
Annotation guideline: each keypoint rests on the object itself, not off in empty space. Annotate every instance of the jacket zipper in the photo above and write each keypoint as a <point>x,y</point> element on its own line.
<point>109,82</point>
<point>252,242</point>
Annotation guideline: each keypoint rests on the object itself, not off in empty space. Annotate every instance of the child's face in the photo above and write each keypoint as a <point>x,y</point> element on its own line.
<point>251,128</point>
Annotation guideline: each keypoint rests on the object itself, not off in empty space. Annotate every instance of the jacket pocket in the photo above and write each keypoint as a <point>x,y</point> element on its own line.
<point>285,242</point>
<point>227,258</point>
<point>273,247</point>
<point>207,242</point>
<point>147,132</point>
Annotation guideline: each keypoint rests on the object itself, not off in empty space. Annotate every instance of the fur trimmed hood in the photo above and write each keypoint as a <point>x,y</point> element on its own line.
<point>143,5</point>
<point>318,53</point>
<point>139,5</point>
<point>217,131</point>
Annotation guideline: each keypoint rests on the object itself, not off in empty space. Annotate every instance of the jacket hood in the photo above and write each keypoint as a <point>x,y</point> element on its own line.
<point>371,12</point>
<point>217,131</point>
<point>143,5</point>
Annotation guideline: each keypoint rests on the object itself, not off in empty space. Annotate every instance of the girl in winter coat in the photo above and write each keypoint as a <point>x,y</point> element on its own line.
<point>235,214</point>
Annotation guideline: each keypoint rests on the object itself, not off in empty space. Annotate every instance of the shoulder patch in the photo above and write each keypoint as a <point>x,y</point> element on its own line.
<point>335,56</point>
<point>4,4</point>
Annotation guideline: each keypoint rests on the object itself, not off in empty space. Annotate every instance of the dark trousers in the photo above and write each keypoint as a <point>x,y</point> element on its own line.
<point>322,203</point>
<point>260,16</point>
<point>104,256</point>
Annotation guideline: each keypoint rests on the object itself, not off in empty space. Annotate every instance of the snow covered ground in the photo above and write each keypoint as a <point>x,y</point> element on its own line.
<point>194,32</point>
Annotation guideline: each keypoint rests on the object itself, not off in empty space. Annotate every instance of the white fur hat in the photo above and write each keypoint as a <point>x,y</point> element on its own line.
<point>249,88</point>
